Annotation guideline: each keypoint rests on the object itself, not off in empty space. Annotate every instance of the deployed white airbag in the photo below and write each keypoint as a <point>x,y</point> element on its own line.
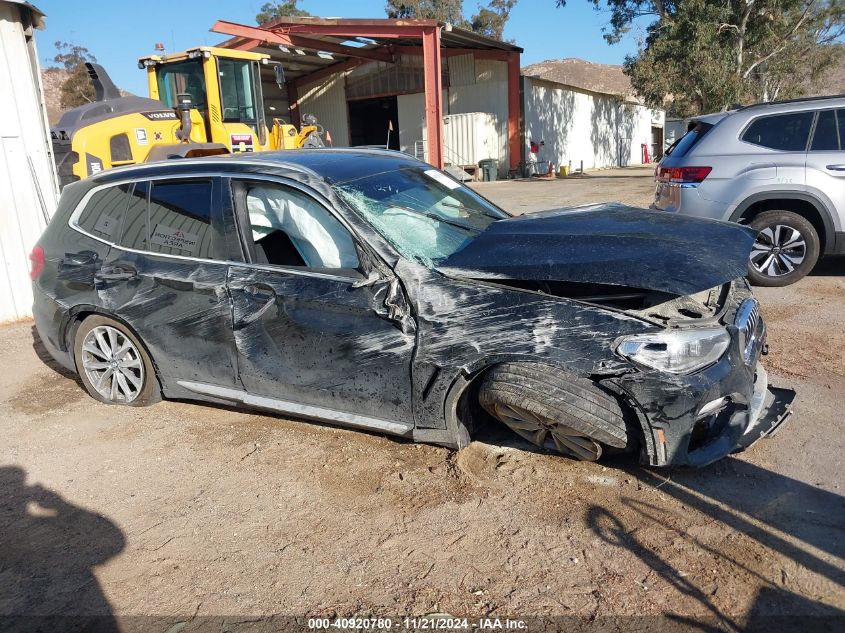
<point>321,239</point>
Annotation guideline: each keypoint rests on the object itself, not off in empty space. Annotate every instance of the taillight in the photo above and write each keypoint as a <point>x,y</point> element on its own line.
<point>683,175</point>
<point>36,262</point>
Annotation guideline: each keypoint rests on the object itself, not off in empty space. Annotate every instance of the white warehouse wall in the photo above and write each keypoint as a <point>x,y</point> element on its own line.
<point>28,186</point>
<point>576,125</point>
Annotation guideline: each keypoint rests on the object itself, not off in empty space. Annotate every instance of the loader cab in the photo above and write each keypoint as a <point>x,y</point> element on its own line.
<point>225,87</point>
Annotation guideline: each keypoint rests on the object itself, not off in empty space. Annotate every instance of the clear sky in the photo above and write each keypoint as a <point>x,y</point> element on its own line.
<point>119,31</point>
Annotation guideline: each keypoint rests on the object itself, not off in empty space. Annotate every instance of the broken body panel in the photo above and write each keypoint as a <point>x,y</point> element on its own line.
<point>394,346</point>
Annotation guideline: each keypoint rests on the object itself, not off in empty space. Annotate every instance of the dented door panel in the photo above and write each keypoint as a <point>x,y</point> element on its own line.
<point>314,339</point>
<point>180,309</point>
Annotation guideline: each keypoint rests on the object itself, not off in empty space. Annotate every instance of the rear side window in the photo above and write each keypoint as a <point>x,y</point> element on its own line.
<point>102,216</point>
<point>786,132</point>
<point>688,140</point>
<point>180,219</point>
<point>829,133</point>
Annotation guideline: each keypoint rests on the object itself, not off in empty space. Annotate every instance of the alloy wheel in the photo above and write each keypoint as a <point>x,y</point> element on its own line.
<point>112,364</point>
<point>778,250</point>
<point>548,433</point>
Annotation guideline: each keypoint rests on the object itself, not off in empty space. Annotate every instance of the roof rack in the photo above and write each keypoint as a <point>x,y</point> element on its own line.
<point>798,100</point>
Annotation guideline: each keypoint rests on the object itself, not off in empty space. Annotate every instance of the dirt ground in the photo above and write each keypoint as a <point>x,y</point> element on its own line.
<point>184,511</point>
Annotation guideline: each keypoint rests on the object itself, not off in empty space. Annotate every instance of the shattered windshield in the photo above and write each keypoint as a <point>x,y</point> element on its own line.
<point>423,213</point>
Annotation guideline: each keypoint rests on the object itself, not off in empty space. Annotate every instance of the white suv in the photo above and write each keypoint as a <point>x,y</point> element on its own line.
<point>778,167</point>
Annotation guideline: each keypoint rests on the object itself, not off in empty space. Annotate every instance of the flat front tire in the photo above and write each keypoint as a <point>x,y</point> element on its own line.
<point>785,250</point>
<point>559,412</point>
<point>113,364</point>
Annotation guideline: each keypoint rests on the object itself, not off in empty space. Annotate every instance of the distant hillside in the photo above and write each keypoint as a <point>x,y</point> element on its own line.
<point>52,79</point>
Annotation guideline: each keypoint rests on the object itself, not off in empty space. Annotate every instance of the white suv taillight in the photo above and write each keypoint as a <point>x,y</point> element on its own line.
<point>683,175</point>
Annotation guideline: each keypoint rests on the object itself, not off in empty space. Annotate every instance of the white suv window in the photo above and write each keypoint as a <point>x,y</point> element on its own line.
<point>830,133</point>
<point>786,132</point>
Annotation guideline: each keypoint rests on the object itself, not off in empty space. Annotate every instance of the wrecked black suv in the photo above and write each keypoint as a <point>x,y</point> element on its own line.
<point>367,289</point>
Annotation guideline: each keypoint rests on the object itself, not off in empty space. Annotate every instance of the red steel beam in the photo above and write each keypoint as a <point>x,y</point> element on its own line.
<point>384,31</point>
<point>514,111</point>
<point>367,22</point>
<point>433,95</point>
<point>292,40</point>
<point>243,45</point>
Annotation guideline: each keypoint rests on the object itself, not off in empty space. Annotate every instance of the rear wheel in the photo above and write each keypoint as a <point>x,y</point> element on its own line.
<point>786,248</point>
<point>112,364</point>
<point>560,412</point>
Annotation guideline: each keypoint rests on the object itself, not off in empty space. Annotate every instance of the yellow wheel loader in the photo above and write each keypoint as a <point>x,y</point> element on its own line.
<point>202,101</point>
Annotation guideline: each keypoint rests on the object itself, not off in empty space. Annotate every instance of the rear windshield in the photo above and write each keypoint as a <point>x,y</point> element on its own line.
<point>683,145</point>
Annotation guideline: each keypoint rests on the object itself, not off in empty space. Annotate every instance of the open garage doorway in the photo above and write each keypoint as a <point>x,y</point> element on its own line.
<point>371,119</point>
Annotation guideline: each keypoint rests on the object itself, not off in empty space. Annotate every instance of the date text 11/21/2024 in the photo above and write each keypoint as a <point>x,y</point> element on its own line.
<point>422,623</point>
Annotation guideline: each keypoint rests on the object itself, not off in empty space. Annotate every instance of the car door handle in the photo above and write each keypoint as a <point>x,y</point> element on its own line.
<point>116,273</point>
<point>836,167</point>
<point>82,258</point>
<point>261,292</point>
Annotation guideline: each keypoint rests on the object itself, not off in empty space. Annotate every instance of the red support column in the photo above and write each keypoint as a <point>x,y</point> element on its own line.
<point>293,104</point>
<point>433,95</point>
<point>514,112</point>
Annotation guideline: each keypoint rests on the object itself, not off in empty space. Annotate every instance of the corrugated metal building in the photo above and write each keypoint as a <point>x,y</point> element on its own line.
<point>341,102</point>
<point>579,111</point>
<point>28,186</point>
<point>370,89</point>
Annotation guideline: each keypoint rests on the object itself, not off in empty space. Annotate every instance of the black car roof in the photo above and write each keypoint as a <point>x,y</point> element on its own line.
<point>333,165</point>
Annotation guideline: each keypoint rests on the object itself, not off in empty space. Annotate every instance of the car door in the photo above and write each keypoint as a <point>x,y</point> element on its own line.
<point>826,158</point>
<point>310,328</point>
<point>166,278</point>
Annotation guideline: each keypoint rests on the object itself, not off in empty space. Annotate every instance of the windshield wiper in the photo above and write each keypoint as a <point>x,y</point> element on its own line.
<point>439,218</point>
<point>463,207</point>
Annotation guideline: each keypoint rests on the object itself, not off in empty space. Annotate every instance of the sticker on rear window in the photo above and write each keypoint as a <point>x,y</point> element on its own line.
<point>443,180</point>
<point>106,224</point>
<point>164,235</point>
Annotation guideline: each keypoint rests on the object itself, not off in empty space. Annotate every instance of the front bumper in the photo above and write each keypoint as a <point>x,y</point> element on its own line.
<point>697,419</point>
<point>771,406</point>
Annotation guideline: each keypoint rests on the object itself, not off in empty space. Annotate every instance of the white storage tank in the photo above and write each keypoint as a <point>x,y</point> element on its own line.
<point>469,138</point>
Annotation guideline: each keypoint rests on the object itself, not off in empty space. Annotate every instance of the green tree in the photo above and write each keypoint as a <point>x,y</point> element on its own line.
<point>705,55</point>
<point>451,11</point>
<point>491,20</point>
<point>77,89</point>
<point>272,10</point>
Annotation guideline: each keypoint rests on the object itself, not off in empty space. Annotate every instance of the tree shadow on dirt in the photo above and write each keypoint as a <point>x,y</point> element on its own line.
<point>802,522</point>
<point>47,558</point>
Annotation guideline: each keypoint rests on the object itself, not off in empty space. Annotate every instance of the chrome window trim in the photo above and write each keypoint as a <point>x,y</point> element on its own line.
<point>74,225</point>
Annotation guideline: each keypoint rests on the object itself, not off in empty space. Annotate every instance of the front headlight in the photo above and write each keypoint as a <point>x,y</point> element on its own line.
<point>676,351</point>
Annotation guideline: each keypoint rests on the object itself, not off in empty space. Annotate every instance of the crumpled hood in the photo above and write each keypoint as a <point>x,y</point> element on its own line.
<point>611,244</point>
